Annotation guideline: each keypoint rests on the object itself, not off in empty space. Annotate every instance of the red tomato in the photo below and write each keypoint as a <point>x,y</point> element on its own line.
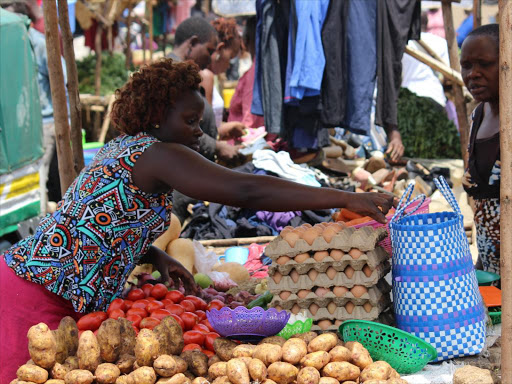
<point>149,322</point>
<point>91,321</point>
<point>142,303</point>
<point>150,298</point>
<point>116,313</point>
<point>146,288</point>
<point>207,323</point>
<point>175,296</point>
<point>198,302</point>
<point>116,304</point>
<point>128,304</point>
<point>137,311</point>
<point>175,308</point>
<point>159,291</point>
<point>208,353</point>
<point>178,319</point>
<point>154,305</point>
<point>201,315</point>
<point>209,339</point>
<point>160,313</point>
<point>136,294</point>
<point>188,305</point>
<point>189,319</point>
<point>190,347</point>
<point>193,337</point>
<point>201,328</point>
<point>135,319</point>
<point>217,304</point>
<point>166,302</point>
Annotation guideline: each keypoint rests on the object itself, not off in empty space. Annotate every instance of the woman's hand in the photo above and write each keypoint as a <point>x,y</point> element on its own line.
<point>375,205</point>
<point>231,130</point>
<point>170,268</point>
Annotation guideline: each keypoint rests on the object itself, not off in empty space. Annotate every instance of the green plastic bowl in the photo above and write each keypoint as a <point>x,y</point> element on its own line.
<point>405,352</point>
<point>298,327</point>
<point>486,278</point>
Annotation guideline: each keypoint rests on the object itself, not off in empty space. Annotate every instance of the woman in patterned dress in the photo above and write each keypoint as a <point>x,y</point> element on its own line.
<point>480,72</point>
<point>80,256</point>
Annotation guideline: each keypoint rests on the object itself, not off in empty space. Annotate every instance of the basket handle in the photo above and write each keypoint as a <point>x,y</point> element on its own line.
<point>405,202</point>
<point>447,193</point>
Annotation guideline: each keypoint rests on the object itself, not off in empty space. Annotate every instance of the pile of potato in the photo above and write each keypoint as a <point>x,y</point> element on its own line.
<point>116,355</point>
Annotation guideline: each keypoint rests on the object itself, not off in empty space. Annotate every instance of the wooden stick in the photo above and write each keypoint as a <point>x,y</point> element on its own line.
<point>436,65</point>
<point>75,108</point>
<point>477,13</point>
<point>144,43</point>
<point>237,241</point>
<point>99,17</point>
<point>150,11</point>
<point>431,52</point>
<point>460,104</point>
<point>110,40</point>
<point>505,22</point>
<point>98,48</point>
<point>106,121</point>
<point>60,110</point>
<point>128,63</point>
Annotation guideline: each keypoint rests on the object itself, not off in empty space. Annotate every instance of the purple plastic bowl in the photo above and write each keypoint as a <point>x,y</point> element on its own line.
<point>247,324</point>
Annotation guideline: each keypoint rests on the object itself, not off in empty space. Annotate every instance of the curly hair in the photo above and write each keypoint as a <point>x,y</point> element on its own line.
<point>226,29</point>
<point>143,100</point>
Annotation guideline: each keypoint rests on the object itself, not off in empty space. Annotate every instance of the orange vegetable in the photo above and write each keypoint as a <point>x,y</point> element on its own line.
<point>358,221</point>
<point>349,214</point>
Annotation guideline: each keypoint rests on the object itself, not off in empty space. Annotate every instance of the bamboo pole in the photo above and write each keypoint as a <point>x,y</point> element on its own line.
<point>460,104</point>
<point>60,111</point>
<point>505,22</point>
<point>128,63</point>
<point>150,16</point>
<point>75,107</point>
<point>430,51</point>
<point>477,13</point>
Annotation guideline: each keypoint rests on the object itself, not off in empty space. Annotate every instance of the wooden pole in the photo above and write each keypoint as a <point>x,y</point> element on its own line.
<point>75,108</point>
<point>460,104</point>
<point>98,47</point>
<point>110,41</point>
<point>144,46</point>
<point>505,22</point>
<point>128,63</point>
<point>430,51</point>
<point>477,13</point>
<point>60,111</point>
<point>150,16</point>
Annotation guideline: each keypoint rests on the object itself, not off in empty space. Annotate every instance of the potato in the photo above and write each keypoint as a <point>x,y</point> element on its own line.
<point>257,370</point>
<point>360,355</point>
<point>109,340</point>
<point>61,349</point>
<point>308,375</point>
<point>107,373</point>
<point>128,336</point>
<point>379,370</point>
<point>276,340</point>
<point>165,366</point>
<point>268,353</point>
<point>69,330</point>
<point>340,353</point>
<point>316,360</point>
<point>341,371</point>
<point>244,350</point>
<point>307,337</point>
<point>197,362</point>
<point>246,360</point>
<point>59,371</point>
<point>178,378</point>
<point>42,346</point>
<point>282,373</point>
<point>125,363</point>
<point>72,362</point>
<point>170,336</point>
<point>221,380</point>
<point>32,373</point>
<point>146,348</point>
<point>200,380</point>
<point>189,375</point>
<point>237,272</point>
<point>394,374</point>
<point>181,364</point>
<point>294,350</point>
<point>375,381</point>
<point>143,375</point>
<point>55,381</point>
<point>212,360</point>
<point>396,380</point>
<point>329,380</point>
<point>268,381</point>
<point>237,372</point>
<point>217,370</point>
<point>224,348</point>
<point>125,379</point>
<point>88,352</point>
<point>324,342</point>
<point>79,376</point>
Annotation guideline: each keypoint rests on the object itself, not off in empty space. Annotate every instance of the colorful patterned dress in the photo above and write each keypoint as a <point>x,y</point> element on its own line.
<point>104,224</point>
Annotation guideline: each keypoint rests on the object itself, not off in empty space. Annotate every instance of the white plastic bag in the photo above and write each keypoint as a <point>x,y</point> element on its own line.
<point>205,261</point>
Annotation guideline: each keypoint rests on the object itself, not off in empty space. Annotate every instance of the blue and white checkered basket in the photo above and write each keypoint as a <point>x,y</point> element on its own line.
<point>435,290</point>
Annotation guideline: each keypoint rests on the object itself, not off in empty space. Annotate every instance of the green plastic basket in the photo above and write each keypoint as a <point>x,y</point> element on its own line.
<point>295,328</point>
<point>495,317</point>
<point>406,353</point>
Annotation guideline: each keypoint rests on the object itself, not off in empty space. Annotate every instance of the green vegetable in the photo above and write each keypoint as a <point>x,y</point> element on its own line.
<point>261,301</point>
<point>426,131</point>
<point>113,73</point>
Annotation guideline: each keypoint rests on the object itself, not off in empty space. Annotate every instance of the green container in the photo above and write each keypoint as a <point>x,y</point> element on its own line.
<point>495,317</point>
<point>295,328</point>
<point>406,353</point>
<point>486,278</point>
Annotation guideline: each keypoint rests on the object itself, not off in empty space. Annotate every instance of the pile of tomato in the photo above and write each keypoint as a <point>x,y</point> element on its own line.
<point>145,307</point>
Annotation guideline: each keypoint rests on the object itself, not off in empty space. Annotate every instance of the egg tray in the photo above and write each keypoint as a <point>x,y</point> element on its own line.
<point>373,258</point>
<point>322,280</point>
<point>386,317</point>
<point>373,296</point>
<point>365,239</point>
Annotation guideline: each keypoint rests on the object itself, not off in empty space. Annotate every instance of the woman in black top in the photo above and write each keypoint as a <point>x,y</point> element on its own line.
<point>480,72</point>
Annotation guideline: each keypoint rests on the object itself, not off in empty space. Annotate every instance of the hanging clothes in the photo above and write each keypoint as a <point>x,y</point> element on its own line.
<point>397,22</point>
